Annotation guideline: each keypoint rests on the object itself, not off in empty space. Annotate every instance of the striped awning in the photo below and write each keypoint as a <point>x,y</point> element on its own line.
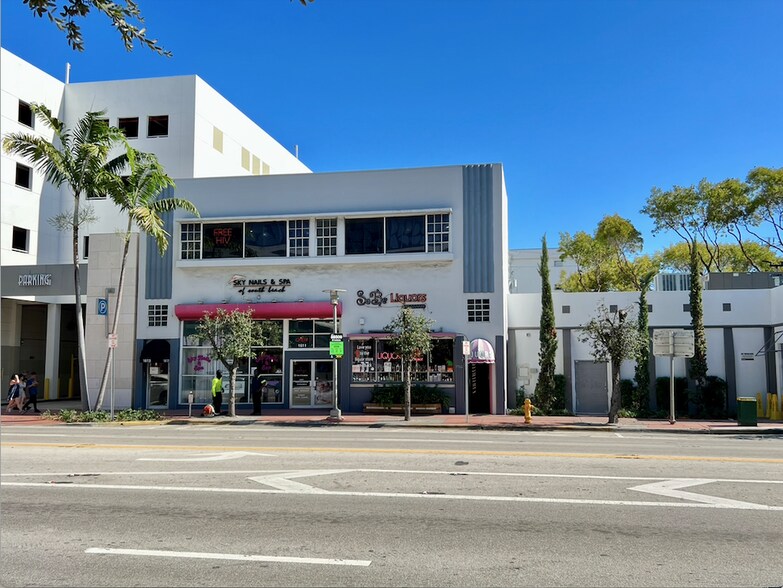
<point>481,352</point>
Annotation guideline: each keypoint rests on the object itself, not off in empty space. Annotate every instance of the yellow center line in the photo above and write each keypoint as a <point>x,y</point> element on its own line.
<point>224,449</point>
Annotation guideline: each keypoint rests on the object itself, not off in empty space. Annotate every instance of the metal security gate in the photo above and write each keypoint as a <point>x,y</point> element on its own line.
<point>592,387</point>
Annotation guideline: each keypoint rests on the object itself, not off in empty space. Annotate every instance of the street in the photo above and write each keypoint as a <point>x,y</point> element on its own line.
<point>265,505</point>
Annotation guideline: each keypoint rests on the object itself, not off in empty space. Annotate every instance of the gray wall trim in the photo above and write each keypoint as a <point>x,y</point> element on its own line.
<point>652,397</point>
<point>61,280</point>
<point>478,229</point>
<point>501,400</point>
<point>159,268</point>
<point>769,361</point>
<point>731,370</point>
<point>568,370</point>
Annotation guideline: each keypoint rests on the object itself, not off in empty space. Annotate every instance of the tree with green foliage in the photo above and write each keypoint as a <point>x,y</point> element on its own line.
<point>608,260</point>
<point>76,158</point>
<point>139,196</point>
<point>764,208</point>
<point>730,257</point>
<point>231,333</point>
<point>126,18</point>
<point>683,211</point>
<point>612,338</point>
<point>547,337</point>
<point>642,369</point>
<point>411,340</point>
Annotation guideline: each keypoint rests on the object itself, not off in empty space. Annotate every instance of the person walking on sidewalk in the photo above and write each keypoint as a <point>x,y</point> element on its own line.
<point>255,392</point>
<point>32,393</point>
<point>217,392</point>
<point>14,393</point>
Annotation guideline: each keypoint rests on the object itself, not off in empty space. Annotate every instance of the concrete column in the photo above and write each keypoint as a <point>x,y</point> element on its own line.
<point>52,365</point>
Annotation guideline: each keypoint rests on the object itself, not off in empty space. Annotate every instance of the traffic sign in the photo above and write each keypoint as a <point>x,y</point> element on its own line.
<point>336,348</point>
<point>103,306</point>
<point>466,347</point>
<point>336,336</point>
<point>112,338</point>
<point>673,342</point>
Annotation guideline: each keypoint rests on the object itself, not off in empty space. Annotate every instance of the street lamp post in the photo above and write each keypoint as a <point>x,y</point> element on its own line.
<point>334,297</point>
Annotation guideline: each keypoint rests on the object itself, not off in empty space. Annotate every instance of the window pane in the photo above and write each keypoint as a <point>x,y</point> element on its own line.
<point>404,234</point>
<point>300,341</point>
<point>222,240</point>
<point>363,235</point>
<point>25,114</point>
<point>129,126</point>
<point>300,326</point>
<point>24,176</point>
<point>158,126</point>
<point>268,360</point>
<point>19,239</point>
<point>267,239</point>
<point>272,333</point>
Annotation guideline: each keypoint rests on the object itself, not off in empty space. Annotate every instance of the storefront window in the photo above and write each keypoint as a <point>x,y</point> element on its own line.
<point>222,240</point>
<point>306,334</point>
<point>376,360</point>
<point>265,239</point>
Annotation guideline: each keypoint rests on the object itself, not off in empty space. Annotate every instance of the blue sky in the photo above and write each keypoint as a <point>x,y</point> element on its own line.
<point>588,104</point>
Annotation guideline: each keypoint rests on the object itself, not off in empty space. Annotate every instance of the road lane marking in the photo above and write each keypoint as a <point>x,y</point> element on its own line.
<point>229,556</point>
<point>283,481</point>
<point>216,457</point>
<point>457,452</point>
<point>671,489</point>
<point>467,497</point>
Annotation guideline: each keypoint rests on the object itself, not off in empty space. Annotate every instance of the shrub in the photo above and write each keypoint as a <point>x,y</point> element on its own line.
<point>713,397</point>
<point>680,395</point>
<point>388,394</point>
<point>628,395</point>
<point>133,414</point>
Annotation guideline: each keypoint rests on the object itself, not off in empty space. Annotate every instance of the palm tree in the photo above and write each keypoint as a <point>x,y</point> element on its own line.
<point>76,158</point>
<point>139,197</point>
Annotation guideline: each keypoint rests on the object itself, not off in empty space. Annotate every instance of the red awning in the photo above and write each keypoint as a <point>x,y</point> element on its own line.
<point>262,310</point>
<point>387,335</point>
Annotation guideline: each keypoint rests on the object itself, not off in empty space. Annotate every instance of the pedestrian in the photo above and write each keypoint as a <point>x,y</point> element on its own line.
<point>217,392</point>
<point>32,393</point>
<point>255,391</point>
<point>14,393</point>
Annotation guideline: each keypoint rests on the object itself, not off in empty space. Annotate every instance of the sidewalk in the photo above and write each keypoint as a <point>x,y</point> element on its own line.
<point>320,417</point>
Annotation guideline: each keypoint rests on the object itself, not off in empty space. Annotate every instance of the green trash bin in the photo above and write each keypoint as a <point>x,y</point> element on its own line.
<point>746,412</point>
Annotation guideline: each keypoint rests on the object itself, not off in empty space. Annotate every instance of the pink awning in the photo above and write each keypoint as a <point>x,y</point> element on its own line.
<point>262,310</point>
<point>481,352</point>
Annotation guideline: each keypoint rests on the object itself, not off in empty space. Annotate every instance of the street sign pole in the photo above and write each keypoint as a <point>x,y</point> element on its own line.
<point>112,349</point>
<point>671,379</point>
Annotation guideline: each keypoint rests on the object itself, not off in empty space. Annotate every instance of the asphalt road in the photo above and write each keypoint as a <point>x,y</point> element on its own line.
<point>263,505</point>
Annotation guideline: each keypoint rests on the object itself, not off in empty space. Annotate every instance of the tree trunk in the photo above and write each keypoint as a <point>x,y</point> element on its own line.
<point>407,379</point>
<point>232,387</point>
<point>116,320</point>
<point>614,405</point>
<point>77,285</point>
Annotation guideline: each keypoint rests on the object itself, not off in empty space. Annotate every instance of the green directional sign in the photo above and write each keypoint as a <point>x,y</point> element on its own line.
<point>336,348</point>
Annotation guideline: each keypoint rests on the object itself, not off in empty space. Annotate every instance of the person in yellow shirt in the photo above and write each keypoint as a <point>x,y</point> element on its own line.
<point>217,392</point>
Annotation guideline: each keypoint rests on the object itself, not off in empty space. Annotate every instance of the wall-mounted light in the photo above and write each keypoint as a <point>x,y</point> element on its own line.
<point>361,320</point>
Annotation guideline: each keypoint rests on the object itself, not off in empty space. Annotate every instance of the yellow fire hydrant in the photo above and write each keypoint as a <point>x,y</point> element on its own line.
<point>528,411</point>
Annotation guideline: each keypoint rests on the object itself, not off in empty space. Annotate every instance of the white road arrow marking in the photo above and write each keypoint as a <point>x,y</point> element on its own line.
<point>282,481</point>
<point>215,457</point>
<point>670,488</point>
<point>229,556</point>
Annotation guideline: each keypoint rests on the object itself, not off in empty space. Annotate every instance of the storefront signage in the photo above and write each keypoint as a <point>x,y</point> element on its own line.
<point>35,279</point>
<point>247,285</point>
<point>376,298</point>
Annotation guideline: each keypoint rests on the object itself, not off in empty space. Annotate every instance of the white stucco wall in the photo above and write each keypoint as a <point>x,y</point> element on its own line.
<point>18,206</point>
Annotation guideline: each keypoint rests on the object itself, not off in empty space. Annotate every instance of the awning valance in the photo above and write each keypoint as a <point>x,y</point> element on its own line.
<point>262,310</point>
<point>481,352</point>
<point>155,350</point>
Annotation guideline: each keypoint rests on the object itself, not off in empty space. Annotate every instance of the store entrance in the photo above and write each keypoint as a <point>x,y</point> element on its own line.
<point>312,383</point>
<point>158,384</point>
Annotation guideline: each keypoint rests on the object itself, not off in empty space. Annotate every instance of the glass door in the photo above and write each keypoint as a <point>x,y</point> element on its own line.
<point>158,384</point>
<point>312,383</point>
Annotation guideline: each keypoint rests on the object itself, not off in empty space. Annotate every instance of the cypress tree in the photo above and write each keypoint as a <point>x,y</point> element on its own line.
<point>698,362</point>
<point>547,336</point>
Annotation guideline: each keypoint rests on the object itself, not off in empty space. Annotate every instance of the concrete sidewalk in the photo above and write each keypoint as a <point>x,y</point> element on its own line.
<point>320,417</point>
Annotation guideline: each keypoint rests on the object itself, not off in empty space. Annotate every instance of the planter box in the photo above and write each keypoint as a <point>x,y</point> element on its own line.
<point>372,408</point>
